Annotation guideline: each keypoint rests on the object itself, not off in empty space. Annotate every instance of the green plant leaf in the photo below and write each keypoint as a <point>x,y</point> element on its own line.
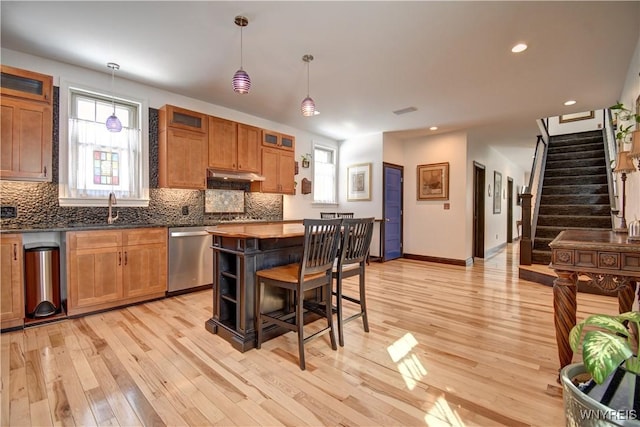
<point>633,365</point>
<point>602,353</point>
<point>633,316</point>
<point>574,336</point>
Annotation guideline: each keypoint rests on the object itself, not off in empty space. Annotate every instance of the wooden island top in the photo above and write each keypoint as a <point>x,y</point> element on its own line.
<point>258,230</point>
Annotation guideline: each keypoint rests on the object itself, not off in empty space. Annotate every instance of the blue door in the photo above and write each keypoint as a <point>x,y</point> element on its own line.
<point>392,212</point>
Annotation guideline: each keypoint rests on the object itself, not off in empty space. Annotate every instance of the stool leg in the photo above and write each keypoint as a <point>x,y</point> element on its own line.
<point>339,307</point>
<point>299,318</point>
<point>363,300</point>
<point>329,314</point>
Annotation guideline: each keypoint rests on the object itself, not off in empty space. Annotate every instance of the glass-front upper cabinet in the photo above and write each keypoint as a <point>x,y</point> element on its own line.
<point>26,84</point>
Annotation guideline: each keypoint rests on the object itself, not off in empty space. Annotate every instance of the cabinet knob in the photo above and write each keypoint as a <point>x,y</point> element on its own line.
<point>125,258</point>
<point>119,258</point>
<point>15,252</point>
<point>45,171</point>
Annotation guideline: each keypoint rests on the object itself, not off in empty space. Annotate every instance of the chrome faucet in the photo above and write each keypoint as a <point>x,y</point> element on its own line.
<point>112,202</point>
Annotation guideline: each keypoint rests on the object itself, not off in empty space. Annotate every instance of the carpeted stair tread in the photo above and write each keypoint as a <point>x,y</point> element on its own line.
<point>575,163</point>
<point>575,180</point>
<point>574,155</point>
<point>594,209</point>
<point>552,231</point>
<point>590,221</point>
<point>571,148</point>
<point>576,171</point>
<point>574,199</point>
<point>575,189</point>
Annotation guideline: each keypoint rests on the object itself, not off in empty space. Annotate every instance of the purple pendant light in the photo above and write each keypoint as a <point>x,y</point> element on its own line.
<point>241,81</point>
<point>113,123</point>
<point>308,107</point>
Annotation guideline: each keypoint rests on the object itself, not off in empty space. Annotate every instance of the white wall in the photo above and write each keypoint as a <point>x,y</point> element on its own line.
<point>557,128</point>
<point>628,97</point>
<point>495,224</point>
<point>429,229</point>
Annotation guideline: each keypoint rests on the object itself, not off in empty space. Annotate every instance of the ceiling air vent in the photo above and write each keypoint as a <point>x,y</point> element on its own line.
<point>405,110</point>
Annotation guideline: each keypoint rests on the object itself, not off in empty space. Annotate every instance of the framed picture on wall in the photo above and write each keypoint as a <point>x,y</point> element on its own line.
<point>359,182</point>
<point>497,190</point>
<point>433,181</point>
<point>586,115</point>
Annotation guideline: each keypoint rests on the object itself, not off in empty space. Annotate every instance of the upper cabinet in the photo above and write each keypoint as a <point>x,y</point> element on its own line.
<point>233,146</point>
<point>183,148</point>
<point>27,125</point>
<point>278,140</point>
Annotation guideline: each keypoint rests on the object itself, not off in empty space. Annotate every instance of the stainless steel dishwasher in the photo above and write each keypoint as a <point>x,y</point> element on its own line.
<point>190,259</point>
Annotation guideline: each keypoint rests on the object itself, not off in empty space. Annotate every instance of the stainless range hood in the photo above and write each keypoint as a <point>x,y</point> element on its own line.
<point>234,176</point>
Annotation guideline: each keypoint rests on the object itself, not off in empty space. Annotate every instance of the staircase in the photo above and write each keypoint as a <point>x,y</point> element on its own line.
<point>575,192</point>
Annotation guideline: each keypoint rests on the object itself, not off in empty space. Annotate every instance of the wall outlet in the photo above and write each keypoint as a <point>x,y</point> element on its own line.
<point>496,237</point>
<point>8,211</point>
<point>185,210</point>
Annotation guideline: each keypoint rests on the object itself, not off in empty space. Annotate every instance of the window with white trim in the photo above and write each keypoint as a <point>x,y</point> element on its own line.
<point>99,162</point>
<point>324,175</point>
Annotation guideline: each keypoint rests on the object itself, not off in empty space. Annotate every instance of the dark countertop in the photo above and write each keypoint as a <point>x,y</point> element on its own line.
<point>120,226</point>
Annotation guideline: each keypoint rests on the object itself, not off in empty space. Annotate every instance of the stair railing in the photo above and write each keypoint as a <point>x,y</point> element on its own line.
<point>531,195</point>
<point>611,153</point>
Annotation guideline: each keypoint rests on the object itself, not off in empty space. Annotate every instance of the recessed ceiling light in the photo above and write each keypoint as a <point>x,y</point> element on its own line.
<point>433,128</point>
<point>520,47</point>
<point>570,102</point>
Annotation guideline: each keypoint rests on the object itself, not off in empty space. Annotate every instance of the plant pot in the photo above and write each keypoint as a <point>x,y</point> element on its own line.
<point>582,410</point>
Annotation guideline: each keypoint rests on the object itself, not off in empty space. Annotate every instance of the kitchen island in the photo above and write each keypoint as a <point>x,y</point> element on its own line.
<point>239,250</point>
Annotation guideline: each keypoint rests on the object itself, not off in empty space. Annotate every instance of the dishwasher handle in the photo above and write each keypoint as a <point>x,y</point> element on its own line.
<point>188,233</point>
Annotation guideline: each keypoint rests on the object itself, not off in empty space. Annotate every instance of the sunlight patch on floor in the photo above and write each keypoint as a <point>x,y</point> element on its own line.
<point>442,411</point>
<point>409,364</point>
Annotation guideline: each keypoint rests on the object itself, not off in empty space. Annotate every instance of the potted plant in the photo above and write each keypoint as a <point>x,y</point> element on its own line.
<point>625,121</point>
<point>610,349</point>
<point>306,158</point>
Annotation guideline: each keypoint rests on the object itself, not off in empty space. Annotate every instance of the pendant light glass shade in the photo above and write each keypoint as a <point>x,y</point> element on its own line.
<point>241,81</point>
<point>308,106</point>
<point>113,123</point>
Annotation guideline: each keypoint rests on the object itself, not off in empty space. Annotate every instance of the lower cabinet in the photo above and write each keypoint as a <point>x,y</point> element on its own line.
<point>107,269</point>
<point>11,281</point>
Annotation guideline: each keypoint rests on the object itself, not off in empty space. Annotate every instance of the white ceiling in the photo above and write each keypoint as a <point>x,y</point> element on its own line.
<point>450,60</point>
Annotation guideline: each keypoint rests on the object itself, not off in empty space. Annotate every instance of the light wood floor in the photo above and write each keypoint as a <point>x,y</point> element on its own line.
<point>448,345</point>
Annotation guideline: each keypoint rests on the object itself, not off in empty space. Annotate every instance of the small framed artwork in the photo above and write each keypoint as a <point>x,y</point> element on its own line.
<point>586,115</point>
<point>359,182</point>
<point>497,189</point>
<point>433,181</point>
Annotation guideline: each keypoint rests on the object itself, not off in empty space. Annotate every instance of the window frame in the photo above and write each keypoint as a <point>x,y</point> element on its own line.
<point>335,152</point>
<point>63,161</point>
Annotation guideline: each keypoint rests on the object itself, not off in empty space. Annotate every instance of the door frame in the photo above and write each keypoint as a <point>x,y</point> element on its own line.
<point>386,165</point>
<point>479,180</point>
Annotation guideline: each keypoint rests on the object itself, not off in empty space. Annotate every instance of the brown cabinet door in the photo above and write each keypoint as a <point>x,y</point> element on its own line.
<point>182,162</point>
<point>25,144</point>
<point>11,286</point>
<point>94,279</point>
<point>270,158</point>
<point>145,270</point>
<point>26,84</point>
<point>181,118</point>
<point>223,152</point>
<point>286,172</point>
<point>249,148</point>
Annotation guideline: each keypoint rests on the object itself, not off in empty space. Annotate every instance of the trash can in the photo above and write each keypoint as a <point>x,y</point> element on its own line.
<point>42,279</point>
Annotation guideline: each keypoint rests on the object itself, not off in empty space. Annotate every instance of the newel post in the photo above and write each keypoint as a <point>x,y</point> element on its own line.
<point>525,243</point>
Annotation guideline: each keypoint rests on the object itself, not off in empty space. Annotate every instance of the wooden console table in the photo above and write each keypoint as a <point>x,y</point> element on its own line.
<point>606,258</point>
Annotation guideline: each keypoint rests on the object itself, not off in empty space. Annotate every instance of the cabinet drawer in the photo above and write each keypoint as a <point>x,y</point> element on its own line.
<point>144,236</point>
<point>93,239</point>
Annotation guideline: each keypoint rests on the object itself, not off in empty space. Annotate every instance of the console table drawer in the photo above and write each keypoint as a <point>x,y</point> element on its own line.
<point>609,260</point>
<point>631,262</point>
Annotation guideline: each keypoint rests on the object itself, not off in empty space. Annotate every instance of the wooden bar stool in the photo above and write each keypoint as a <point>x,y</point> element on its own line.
<point>327,215</point>
<point>344,214</point>
<point>354,248</point>
<point>321,239</point>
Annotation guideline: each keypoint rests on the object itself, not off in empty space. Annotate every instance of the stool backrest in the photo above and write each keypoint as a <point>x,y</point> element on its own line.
<point>356,240</point>
<point>321,240</point>
<point>327,215</point>
<point>345,214</point>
